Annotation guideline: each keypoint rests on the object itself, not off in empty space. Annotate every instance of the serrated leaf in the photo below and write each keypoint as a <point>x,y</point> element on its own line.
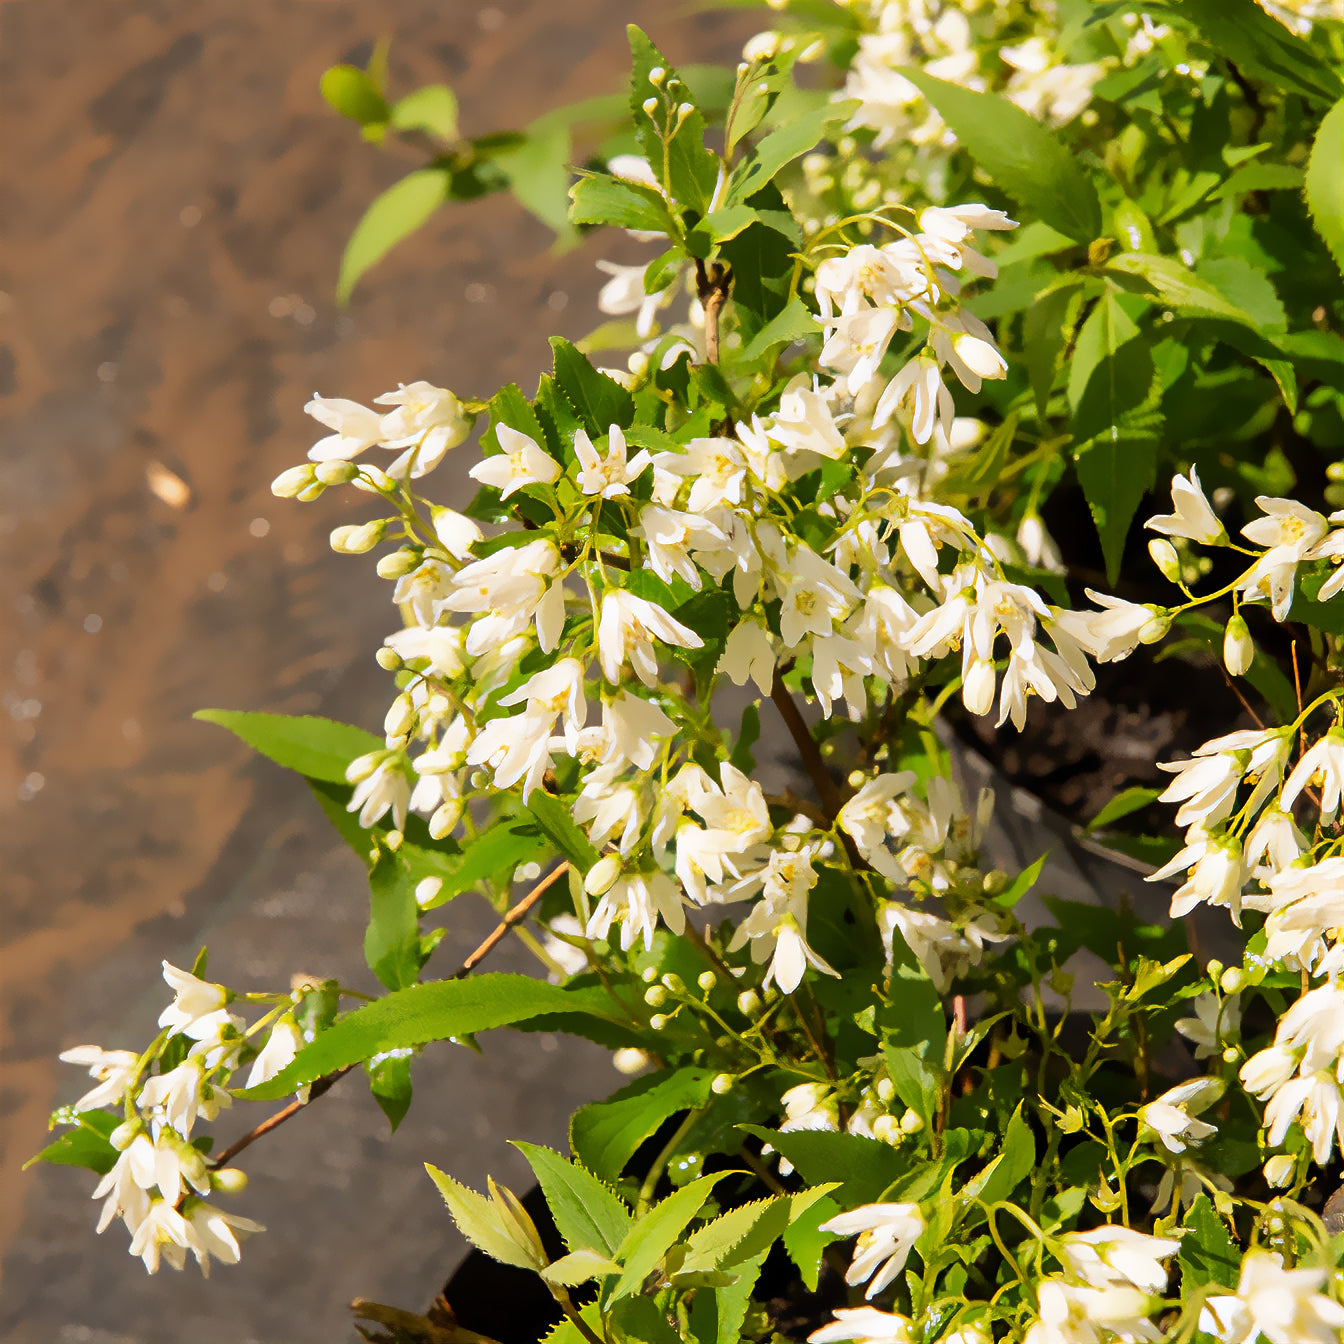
<point>717,1314</point>
<point>432,108</point>
<point>578,1267</point>
<point>1176,287</point>
<point>605,1134</point>
<point>85,1145</point>
<point>600,198</point>
<point>654,1235</point>
<point>1208,1254</point>
<point>315,747</point>
<point>805,1241</point>
<point>746,1232</point>
<point>780,148</point>
<point>392,937</point>
<point>1024,157</point>
<point>478,1219</point>
<point>1013,1164</point>
<point>392,215</point>
<point>640,1321</point>
<point>1124,802</point>
<point>556,820</point>
<point>793,323</point>
<point>434,1011</point>
<point>588,1213</point>
<point>601,401</point>
<point>1325,182</point>
<point>864,1168</point>
<point>390,1084</point>
<point>1046,333</point>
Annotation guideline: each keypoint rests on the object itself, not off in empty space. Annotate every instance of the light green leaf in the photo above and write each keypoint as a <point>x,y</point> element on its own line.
<point>639,1320</point>
<point>588,1213</point>
<point>85,1145</point>
<point>392,937</point>
<point>1014,1163</point>
<point>795,322</point>
<point>655,1234</point>
<point>605,1134</point>
<point>556,820</point>
<point>599,198</point>
<point>717,1315</point>
<point>1325,182</point>
<point>1024,157</point>
<point>805,1241</point>
<point>781,147</point>
<point>578,1267</point>
<point>744,1233</point>
<point>354,94</point>
<point>1178,288</point>
<point>434,1011</point>
<point>494,853</point>
<point>315,747</point>
<point>393,215</point>
<point>432,109</point>
<point>538,171</point>
<point>478,1219</point>
<point>1124,802</point>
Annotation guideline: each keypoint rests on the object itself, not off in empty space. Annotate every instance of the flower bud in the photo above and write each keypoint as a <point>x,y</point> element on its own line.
<point>124,1134</point>
<point>911,1122</point>
<point>1231,1055</point>
<point>398,563</point>
<point>1157,627</point>
<point>722,1084</point>
<point>674,983</point>
<point>602,875</point>
<point>658,1021</point>
<point>229,1180</point>
<point>749,1003</point>
<point>373,480</point>
<point>648,975</point>
<point>650,106</point>
<point>630,1059</point>
<point>1215,968</point>
<point>885,1089</point>
<point>292,482</point>
<point>401,717</point>
<point>1233,980</point>
<point>311,492</point>
<point>426,890</point>
<point>356,538</point>
<point>1238,647</point>
<point>336,471</point>
<point>707,980</point>
<point>1279,1170</point>
<point>1163,555</point>
<point>638,364</point>
<point>655,996</point>
<point>886,1129</point>
<point>363,766</point>
<point>388,659</point>
<point>977,691</point>
<point>656,76</point>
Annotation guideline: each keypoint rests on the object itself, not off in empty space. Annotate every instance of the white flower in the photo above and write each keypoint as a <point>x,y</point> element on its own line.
<point>886,1232</point>
<point>1313,1101</point>
<point>944,951</point>
<point>624,293</point>
<point>777,924</point>
<point>1193,517</point>
<point>869,819</point>
<point>284,1042</point>
<point>857,343</point>
<point>921,383</point>
<point>809,1106</point>
<point>839,666</point>
<point>425,590</point>
<point>748,655</point>
<point>637,900</point>
<point>521,463</point>
<point>1116,631</point>
<point>805,423</point>
<point>112,1068</point>
<point>717,468</point>
<point>125,1187</point>
<point>1169,1116</point>
<point>1291,531</point>
<point>1322,763</point>
<point>456,532</point>
<point>669,536</point>
<point>817,595</point>
<point>1071,1314</point>
<point>179,1096</point>
<point>512,587</point>
<point>636,726</point>
<point>607,477</point>
<point>212,1232</point>
<point>866,1325</point>
<point>1274,1304</point>
<point>1109,1256</point>
<point>1216,1021</point>
<point>163,1232</point>
<point>197,1007</point>
<point>384,788</point>
<point>356,428</point>
<point>627,627</point>
<point>427,422</point>
<point>437,650</point>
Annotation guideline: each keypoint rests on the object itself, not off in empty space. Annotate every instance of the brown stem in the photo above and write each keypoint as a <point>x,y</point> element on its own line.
<point>790,800</point>
<point>410,1326</point>
<point>512,917</point>
<point>711,285</point>
<point>827,794</point>
<point>321,1086</point>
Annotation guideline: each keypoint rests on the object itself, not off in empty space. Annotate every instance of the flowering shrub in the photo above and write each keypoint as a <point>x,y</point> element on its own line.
<point>981,257</point>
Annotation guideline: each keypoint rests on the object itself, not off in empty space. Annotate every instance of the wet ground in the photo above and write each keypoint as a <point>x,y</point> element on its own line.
<point>173,203</point>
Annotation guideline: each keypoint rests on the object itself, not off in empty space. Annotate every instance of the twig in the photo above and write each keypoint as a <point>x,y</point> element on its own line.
<point>407,1324</point>
<point>1245,703</point>
<point>511,918</point>
<point>711,287</point>
<point>827,794</point>
<point>790,800</point>
<point>318,1088</point>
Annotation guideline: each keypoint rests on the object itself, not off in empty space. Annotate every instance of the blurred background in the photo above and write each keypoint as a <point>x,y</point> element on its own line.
<point>175,201</point>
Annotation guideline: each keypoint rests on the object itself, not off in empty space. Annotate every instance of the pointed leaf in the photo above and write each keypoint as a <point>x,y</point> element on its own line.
<point>315,747</point>
<point>655,1234</point>
<point>578,1267</point>
<point>556,820</point>
<point>1208,1253</point>
<point>1325,182</point>
<point>589,1214</point>
<point>432,108</point>
<point>393,215</point>
<point>863,1167</point>
<point>601,401</point>
<point>478,1220</point>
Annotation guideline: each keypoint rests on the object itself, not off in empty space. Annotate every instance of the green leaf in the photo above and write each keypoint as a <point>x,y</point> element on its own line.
<point>918,1081</point>
<point>605,1134</point>
<point>85,1145</point>
<point>478,1219</point>
<point>1116,469</point>
<point>556,820</point>
<point>864,1168</point>
<point>717,1316</point>
<point>1124,802</point>
<point>432,109</point>
<point>315,747</point>
<point>1208,1254</point>
<point>805,1241</point>
<point>654,1235</point>
<point>494,853</point>
<point>781,147</point>
<point>639,1320</point>
<point>762,262</point>
<point>390,1083</point>
<point>1173,285</point>
<point>392,938</point>
<point>393,215</point>
<point>435,1011</point>
<point>1046,333</point>
<point>588,1213</point>
<point>354,94</point>
<point>1013,1164</point>
<point>578,1267</point>
<point>746,1232</point>
<point>601,401</point>
<point>1325,182</point>
<point>1248,288</point>
<point>1026,159</point>
<point>794,322</point>
<point>537,167</point>
<point>599,198</point>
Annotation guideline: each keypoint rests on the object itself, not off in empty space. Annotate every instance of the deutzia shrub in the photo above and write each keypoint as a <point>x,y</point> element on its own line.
<point>920,278</point>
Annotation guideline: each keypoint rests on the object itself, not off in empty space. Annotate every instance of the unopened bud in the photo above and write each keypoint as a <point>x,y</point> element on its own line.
<point>630,1059</point>
<point>290,483</point>
<point>911,1122</point>
<point>336,471</point>
<point>1279,1170</point>
<point>373,480</point>
<point>1233,980</point>
<point>650,106</point>
<point>356,538</point>
<point>1164,556</point>
<point>684,110</point>
<point>1214,968</point>
<point>885,1089</point>
<point>388,659</point>
<point>363,766</point>
<point>602,875</point>
<point>229,1180</point>
<point>977,690</point>
<point>400,717</point>
<point>674,983</point>
<point>658,1021</point>
<point>638,364</point>
<point>1157,627</point>
<point>311,492</point>
<point>722,1084</point>
<point>122,1137</point>
<point>885,1128</point>
<point>393,840</point>
<point>656,76</point>
<point>1238,647</point>
<point>655,996</point>
<point>648,975</point>
<point>749,1003</point>
<point>707,980</point>
<point>1231,1055</point>
<point>398,563</point>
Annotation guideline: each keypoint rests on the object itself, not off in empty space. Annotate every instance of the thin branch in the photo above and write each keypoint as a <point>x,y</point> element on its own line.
<point>512,917</point>
<point>827,794</point>
<point>408,1325</point>
<point>711,287</point>
<point>319,1088</point>
<point>790,800</point>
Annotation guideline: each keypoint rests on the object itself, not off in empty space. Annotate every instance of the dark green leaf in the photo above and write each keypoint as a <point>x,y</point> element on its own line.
<point>781,147</point>
<point>1208,1253</point>
<point>794,322</point>
<point>863,1167</point>
<point>315,747</point>
<point>588,1213</point>
<point>1325,182</point>
<point>1124,802</point>
<point>393,215</point>
<point>390,1083</point>
<point>556,820</point>
<point>86,1145</point>
<point>1026,159</point>
<point>1014,1163</point>
<point>605,1134</point>
<point>601,401</point>
<point>392,938</point>
<point>804,1240</point>
<point>1046,333</point>
<point>435,1011</point>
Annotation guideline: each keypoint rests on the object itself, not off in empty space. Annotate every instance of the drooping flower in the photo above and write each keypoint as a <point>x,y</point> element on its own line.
<point>523,462</point>
<point>886,1233</point>
<point>1193,515</point>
